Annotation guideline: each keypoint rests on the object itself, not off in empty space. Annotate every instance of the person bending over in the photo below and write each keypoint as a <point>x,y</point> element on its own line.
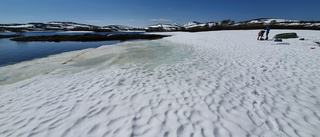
<point>260,35</point>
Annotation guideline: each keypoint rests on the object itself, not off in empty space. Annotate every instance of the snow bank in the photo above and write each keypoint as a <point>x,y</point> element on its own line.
<point>222,83</point>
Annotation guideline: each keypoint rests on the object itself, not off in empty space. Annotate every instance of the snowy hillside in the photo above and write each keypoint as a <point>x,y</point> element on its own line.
<point>283,22</point>
<point>197,24</point>
<point>270,20</point>
<point>162,27</point>
<point>69,25</point>
<point>194,25</point>
<point>64,26</point>
<point>175,26</point>
<point>49,25</point>
<point>117,27</point>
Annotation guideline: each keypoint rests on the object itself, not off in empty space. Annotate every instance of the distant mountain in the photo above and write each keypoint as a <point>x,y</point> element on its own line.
<point>49,25</point>
<point>191,26</point>
<point>261,21</point>
<point>56,25</point>
<point>267,21</point>
<point>69,25</point>
<point>281,22</point>
<point>163,27</point>
<point>229,24</point>
<point>175,26</point>
<point>172,27</point>
<point>118,27</point>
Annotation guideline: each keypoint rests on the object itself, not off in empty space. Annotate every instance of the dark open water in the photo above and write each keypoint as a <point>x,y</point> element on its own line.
<point>12,52</point>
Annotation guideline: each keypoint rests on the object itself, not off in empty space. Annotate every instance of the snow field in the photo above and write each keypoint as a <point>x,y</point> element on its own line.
<point>221,83</point>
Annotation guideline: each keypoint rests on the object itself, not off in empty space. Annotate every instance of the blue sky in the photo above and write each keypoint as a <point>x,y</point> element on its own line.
<point>140,13</point>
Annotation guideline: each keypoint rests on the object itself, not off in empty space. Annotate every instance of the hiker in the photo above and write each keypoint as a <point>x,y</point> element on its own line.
<point>267,32</point>
<point>260,35</point>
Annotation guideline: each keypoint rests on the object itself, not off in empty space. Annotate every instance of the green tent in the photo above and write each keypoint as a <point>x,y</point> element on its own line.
<point>286,36</point>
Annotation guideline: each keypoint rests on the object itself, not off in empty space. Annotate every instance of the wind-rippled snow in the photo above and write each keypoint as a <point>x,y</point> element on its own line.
<point>221,83</point>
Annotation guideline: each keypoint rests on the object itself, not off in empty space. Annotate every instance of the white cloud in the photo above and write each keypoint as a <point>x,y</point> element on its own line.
<point>163,20</point>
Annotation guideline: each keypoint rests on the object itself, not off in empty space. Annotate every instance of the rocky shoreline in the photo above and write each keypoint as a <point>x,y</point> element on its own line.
<point>8,36</point>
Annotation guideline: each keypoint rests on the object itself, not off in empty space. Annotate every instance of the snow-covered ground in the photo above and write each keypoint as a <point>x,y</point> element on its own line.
<point>221,83</point>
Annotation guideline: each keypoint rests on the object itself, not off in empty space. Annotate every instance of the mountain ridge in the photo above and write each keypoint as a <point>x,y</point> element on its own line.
<point>65,25</point>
